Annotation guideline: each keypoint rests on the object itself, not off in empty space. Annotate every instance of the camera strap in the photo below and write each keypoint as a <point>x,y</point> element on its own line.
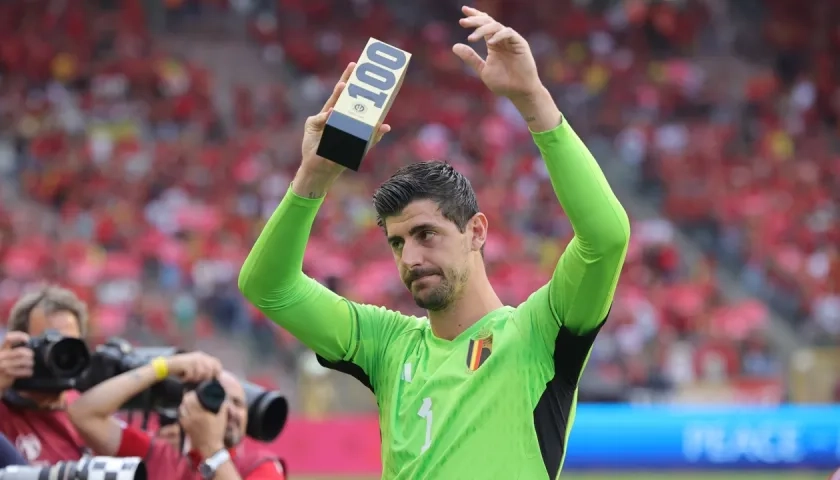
<point>16,400</point>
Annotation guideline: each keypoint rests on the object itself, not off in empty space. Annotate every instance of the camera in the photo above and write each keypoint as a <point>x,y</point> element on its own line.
<point>267,410</point>
<point>87,468</point>
<point>117,356</point>
<point>59,361</point>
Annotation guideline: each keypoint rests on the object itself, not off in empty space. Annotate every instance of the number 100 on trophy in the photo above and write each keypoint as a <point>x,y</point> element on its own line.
<point>360,110</point>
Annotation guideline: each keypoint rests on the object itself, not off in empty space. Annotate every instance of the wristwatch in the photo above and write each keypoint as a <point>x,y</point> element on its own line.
<point>207,468</point>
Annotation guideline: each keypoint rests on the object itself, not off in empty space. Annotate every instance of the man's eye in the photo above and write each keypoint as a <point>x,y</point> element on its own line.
<point>427,235</point>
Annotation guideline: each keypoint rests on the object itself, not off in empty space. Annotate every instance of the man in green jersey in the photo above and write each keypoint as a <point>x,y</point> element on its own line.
<point>476,390</point>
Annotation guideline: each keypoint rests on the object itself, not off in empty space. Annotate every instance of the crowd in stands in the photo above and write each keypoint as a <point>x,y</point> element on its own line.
<point>123,181</point>
<point>755,176</point>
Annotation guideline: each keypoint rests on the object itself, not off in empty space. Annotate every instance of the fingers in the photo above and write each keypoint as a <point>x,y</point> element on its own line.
<point>190,400</point>
<point>506,33</point>
<point>198,367</point>
<point>316,123</point>
<point>383,129</point>
<point>188,406</point>
<point>204,368</point>
<point>348,70</point>
<point>474,22</point>
<point>471,12</point>
<point>14,338</point>
<point>17,363</point>
<point>339,87</point>
<point>485,27</point>
<point>475,18</point>
<point>469,56</point>
<point>486,31</point>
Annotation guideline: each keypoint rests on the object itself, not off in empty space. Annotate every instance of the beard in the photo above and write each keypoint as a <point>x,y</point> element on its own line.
<point>437,297</point>
<point>232,437</point>
<point>434,299</point>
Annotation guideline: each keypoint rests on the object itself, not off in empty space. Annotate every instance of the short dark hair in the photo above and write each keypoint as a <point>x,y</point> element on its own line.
<point>436,181</point>
<point>52,299</point>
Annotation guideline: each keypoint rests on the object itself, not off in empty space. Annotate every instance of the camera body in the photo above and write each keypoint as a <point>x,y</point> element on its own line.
<point>59,362</point>
<point>117,356</point>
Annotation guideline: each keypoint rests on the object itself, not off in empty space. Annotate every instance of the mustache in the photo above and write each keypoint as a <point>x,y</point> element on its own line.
<point>419,273</point>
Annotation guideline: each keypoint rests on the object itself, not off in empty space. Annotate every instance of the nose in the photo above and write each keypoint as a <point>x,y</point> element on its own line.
<point>411,255</point>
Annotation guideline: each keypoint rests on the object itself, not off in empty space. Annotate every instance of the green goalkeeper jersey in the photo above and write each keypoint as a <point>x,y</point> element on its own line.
<point>498,401</point>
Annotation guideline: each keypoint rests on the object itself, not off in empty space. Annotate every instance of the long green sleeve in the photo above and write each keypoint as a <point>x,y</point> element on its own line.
<point>581,289</point>
<point>337,329</point>
<point>272,280</point>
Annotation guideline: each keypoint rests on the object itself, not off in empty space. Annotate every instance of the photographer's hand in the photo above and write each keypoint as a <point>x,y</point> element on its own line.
<point>206,432</point>
<point>205,429</point>
<point>15,361</point>
<point>194,367</point>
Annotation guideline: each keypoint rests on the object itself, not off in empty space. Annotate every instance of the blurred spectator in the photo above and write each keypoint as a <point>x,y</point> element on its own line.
<point>124,179</point>
<point>34,415</point>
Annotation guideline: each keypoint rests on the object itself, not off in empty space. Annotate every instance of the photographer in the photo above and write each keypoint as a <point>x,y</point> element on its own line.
<point>212,437</point>
<point>32,410</point>
<point>215,436</point>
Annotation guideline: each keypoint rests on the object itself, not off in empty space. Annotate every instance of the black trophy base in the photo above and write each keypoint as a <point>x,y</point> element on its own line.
<point>345,140</point>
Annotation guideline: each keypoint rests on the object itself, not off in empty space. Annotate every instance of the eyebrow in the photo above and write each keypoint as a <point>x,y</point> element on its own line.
<point>414,231</point>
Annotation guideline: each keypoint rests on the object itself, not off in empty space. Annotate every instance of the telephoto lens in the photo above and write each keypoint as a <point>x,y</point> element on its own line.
<point>88,468</point>
<point>267,412</point>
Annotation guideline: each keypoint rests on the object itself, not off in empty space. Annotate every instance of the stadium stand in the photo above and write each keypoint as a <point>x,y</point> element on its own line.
<point>124,179</point>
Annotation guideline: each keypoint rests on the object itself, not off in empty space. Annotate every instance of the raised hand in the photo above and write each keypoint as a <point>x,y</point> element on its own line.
<point>509,69</point>
<point>315,128</point>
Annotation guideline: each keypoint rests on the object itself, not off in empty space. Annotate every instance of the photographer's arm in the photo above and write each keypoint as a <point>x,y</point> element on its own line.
<point>93,413</point>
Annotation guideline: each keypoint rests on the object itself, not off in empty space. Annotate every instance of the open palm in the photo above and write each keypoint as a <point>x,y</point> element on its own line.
<point>509,69</point>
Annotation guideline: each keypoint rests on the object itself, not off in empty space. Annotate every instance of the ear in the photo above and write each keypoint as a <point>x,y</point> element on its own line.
<point>477,227</point>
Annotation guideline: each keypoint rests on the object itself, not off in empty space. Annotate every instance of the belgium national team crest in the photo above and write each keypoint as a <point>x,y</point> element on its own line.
<point>479,350</point>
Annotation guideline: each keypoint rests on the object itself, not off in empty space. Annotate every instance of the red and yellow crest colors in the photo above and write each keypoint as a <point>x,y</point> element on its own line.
<point>479,351</point>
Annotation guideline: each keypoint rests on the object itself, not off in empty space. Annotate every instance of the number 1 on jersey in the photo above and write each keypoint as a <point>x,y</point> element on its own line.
<point>426,413</point>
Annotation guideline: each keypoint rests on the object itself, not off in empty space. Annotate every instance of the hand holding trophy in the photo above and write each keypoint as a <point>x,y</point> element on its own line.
<point>351,121</point>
